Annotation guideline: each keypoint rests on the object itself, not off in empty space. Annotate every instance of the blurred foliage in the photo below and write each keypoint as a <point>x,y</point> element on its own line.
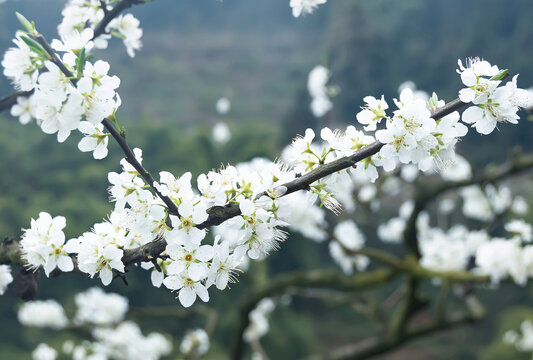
<point>256,54</point>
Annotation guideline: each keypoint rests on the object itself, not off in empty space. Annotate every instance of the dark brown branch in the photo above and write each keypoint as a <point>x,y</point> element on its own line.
<point>8,101</point>
<point>120,138</point>
<point>310,279</point>
<point>55,59</point>
<point>377,345</point>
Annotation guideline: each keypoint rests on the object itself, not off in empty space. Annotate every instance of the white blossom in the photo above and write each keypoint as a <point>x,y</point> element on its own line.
<point>300,7</point>
<point>95,307</point>
<point>5,278</point>
<point>195,343</point>
<point>44,352</point>
<point>48,313</point>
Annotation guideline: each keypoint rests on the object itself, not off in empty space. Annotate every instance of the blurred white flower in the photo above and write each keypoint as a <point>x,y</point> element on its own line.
<point>98,308</point>
<point>5,278</point>
<point>44,352</point>
<point>48,313</point>
<point>223,105</point>
<point>195,343</point>
<point>221,133</point>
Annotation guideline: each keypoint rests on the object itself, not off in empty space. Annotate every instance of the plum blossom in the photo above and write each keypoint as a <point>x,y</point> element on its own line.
<point>258,326</point>
<point>477,76</point>
<point>5,278</point>
<point>185,229</point>
<point>21,65</point>
<point>348,238</point>
<point>44,352</point>
<point>99,252</point>
<point>300,7</point>
<point>24,109</point>
<point>492,104</point>
<point>95,307</point>
<point>224,266</point>
<point>521,229</point>
<point>373,112</point>
<point>195,343</point>
<point>127,28</point>
<point>74,41</point>
<point>95,139</point>
<point>43,244</point>
<point>190,257</point>
<point>188,288</point>
<point>44,314</point>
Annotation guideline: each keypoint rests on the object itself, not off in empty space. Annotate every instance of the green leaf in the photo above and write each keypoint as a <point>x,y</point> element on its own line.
<point>34,46</point>
<point>30,27</point>
<point>500,76</point>
<point>80,63</point>
<point>117,34</point>
<point>433,101</point>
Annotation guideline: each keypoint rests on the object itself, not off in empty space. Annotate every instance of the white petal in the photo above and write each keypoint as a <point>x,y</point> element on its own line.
<point>65,264</point>
<point>106,275</point>
<point>201,291</point>
<point>187,296</point>
<point>173,282</point>
<point>197,271</point>
<point>87,144</point>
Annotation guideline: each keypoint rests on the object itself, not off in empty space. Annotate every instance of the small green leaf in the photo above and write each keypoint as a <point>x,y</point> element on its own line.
<point>80,63</point>
<point>433,101</point>
<point>30,27</point>
<point>117,34</point>
<point>500,76</point>
<point>34,46</point>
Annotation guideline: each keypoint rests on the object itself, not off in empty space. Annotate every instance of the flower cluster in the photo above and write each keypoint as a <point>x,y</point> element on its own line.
<point>69,92</point>
<point>102,314</point>
<point>81,14</point>
<point>95,307</point>
<point>348,239</point>
<point>258,326</point>
<point>522,341</point>
<point>492,103</point>
<point>496,257</point>
<point>72,93</point>
<point>45,314</point>
<point>43,244</point>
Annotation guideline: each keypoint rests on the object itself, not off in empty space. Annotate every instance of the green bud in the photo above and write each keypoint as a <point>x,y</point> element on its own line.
<point>30,27</point>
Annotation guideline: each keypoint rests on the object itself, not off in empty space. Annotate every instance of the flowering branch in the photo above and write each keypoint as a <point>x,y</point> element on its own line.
<point>219,214</point>
<point>120,138</point>
<point>9,100</point>
<point>113,13</point>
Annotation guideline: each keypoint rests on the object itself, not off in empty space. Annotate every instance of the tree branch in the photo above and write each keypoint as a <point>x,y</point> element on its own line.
<point>113,13</point>
<point>308,279</point>
<point>376,345</point>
